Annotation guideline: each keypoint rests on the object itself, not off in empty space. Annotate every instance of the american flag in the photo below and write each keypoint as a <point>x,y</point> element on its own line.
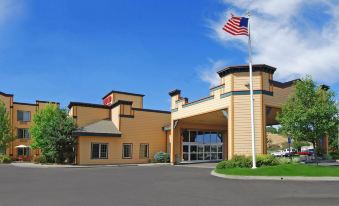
<point>237,25</point>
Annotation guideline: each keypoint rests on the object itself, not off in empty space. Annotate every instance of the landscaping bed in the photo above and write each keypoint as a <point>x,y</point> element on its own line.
<point>269,165</point>
<point>284,170</point>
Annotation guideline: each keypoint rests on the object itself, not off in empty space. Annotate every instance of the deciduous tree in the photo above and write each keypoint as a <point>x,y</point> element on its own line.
<point>52,134</point>
<point>310,113</point>
<point>5,128</point>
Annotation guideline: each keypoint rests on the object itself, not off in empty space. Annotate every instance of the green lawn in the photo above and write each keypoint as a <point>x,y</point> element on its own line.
<point>283,170</point>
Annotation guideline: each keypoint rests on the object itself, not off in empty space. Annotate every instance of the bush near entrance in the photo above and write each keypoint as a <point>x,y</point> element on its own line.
<point>4,159</point>
<point>284,170</point>
<point>162,157</point>
<point>241,161</point>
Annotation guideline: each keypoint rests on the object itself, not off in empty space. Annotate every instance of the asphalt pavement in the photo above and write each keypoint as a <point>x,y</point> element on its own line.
<point>152,186</point>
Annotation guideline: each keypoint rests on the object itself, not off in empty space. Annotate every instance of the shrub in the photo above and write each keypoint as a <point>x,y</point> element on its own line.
<point>4,159</point>
<point>40,159</point>
<point>335,155</point>
<point>242,161</point>
<point>266,160</point>
<point>162,157</point>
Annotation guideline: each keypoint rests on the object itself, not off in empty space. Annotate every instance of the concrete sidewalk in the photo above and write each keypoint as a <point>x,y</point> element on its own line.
<point>34,165</point>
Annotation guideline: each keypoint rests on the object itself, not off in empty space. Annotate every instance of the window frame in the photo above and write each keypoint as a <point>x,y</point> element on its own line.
<point>142,155</point>
<point>23,116</point>
<point>25,131</point>
<point>25,151</point>
<point>99,151</point>
<point>123,150</point>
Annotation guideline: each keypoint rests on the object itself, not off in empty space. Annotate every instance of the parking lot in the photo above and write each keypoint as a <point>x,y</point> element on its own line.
<point>152,185</point>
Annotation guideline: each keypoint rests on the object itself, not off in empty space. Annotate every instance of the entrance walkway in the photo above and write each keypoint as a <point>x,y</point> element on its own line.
<point>209,165</point>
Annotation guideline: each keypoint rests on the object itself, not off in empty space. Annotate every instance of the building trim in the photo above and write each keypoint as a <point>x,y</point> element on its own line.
<point>198,101</point>
<point>174,92</point>
<point>151,110</point>
<point>246,92</point>
<point>121,92</point>
<point>120,102</point>
<point>174,110</point>
<point>83,104</point>
<point>217,87</point>
<point>126,116</point>
<point>88,134</point>
<point>23,103</point>
<point>245,68</point>
<point>6,95</point>
<point>283,84</point>
<point>41,101</point>
<point>181,99</point>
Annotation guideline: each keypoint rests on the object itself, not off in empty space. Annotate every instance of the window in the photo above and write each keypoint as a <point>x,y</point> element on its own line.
<point>126,151</point>
<point>99,151</point>
<point>24,116</point>
<point>144,151</point>
<point>23,151</point>
<point>23,133</point>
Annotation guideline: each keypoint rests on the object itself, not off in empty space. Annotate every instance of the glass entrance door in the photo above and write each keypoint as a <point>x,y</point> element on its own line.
<point>202,146</point>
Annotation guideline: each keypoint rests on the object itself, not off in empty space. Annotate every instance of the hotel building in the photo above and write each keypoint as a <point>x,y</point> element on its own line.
<point>20,115</point>
<point>213,128</point>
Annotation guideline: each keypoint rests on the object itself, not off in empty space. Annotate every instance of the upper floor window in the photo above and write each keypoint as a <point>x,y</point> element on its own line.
<point>23,133</point>
<point>24,116</point>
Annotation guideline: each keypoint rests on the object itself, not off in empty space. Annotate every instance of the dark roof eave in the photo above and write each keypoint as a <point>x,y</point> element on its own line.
<point>71,104</point>
<point>245,68</point>
<point>283,84</point>
<point>6,95</point>
<point>23,103</point>
<point>120,92</point>
<point>96,134</point>
<point>152,110</point>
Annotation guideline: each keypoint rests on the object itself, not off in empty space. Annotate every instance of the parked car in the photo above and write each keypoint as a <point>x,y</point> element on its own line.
<point>308,152</point>
<point>284,153</point>
<point>288,152</point>
<point>279,153</point>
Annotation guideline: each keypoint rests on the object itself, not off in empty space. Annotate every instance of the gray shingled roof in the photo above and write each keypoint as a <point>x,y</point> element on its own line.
<point>104,128</point>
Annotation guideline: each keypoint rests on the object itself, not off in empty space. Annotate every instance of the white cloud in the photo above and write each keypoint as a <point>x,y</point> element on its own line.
<point>209,76</point>
<point>288,35</point>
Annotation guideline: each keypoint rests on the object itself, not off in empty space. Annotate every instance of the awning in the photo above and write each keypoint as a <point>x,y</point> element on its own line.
<point>21,146</point>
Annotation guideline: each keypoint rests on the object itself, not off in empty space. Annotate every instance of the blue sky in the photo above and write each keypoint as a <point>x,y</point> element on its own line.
<point>79,50</point>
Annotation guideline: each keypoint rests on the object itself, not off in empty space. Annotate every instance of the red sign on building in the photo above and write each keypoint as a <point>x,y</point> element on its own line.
<point>108,100</point>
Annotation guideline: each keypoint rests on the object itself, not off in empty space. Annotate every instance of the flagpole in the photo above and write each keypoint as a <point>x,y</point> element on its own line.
<point>254,165</point>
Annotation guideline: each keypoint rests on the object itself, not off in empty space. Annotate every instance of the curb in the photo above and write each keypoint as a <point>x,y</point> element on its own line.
<point>33,165</point>
<point>276,178</point>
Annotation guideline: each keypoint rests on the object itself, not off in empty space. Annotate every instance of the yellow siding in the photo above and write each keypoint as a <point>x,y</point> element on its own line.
<point>242,79</point>
<point>266,84</point>
<point>280,96</point>
<point>21,125</point>
<point>203,107</point>
<point>6,101</point>
<point>242,124</point>
<point>137,100</point>
<point>115,116</point>
<point>89,115</point>
<point>227,80</point>
<point>145,127</point>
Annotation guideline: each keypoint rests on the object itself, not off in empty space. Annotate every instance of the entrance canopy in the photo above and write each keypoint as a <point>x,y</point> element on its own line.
<point>216,118</point>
